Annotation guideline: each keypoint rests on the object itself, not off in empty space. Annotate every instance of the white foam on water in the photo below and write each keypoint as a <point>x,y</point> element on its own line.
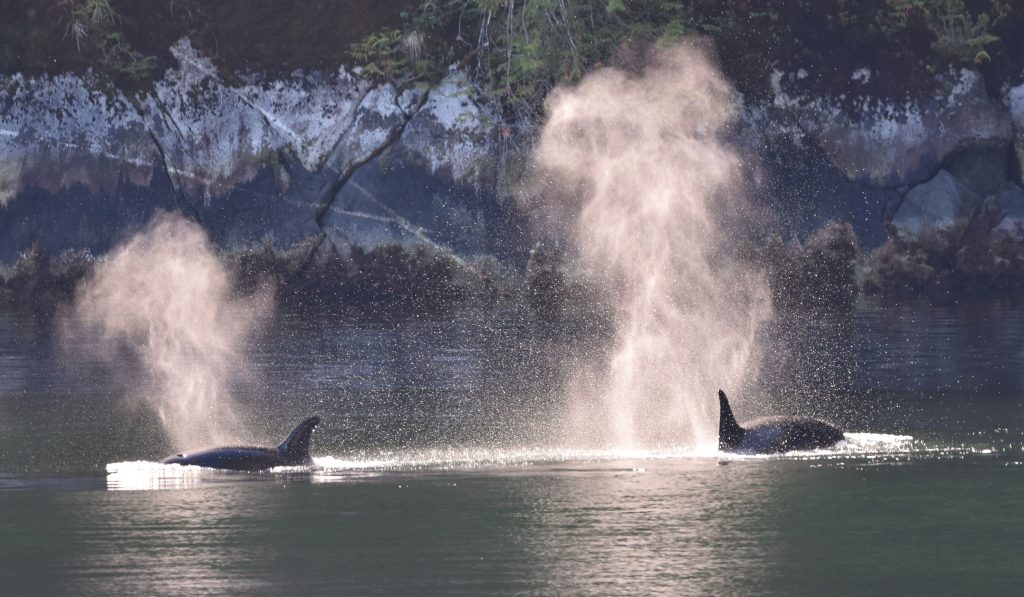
<point>144,475</point>
<point>855,445</point>
<point>141,475</point>
<point>876,443</point>
<point>486,458</point>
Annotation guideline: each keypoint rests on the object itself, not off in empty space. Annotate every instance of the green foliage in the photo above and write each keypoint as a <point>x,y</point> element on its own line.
<point>88,20</point>
<point>94,26</point>
<point>119,56</point>
<point>964,38</point>
<point>615,7</point>
<point>381,54</point>
<point>522,48</point>
<point>960,35</point>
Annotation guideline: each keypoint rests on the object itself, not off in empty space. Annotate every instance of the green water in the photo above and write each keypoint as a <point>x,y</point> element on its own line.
<point>432,480</point>
<point>677,527</point>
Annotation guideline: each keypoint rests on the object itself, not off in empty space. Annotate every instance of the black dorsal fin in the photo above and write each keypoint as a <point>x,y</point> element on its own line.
<point>730,434</point>
<point>296,448</point>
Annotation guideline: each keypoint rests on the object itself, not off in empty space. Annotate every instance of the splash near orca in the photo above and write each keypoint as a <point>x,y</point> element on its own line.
<point>293,451</point>
<point>772,435</point>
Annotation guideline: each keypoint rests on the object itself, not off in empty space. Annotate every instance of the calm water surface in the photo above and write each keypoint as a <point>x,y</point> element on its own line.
<point>435,474</point>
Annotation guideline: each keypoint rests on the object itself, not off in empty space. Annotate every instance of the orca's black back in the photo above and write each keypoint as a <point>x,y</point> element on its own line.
<point>773,435</point>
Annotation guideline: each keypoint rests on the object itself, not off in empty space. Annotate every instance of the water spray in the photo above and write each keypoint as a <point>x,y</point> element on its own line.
<point>160,309</point>
<point>657,184</point>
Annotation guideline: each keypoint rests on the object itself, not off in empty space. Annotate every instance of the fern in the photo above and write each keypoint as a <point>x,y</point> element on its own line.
<point>960,36</point>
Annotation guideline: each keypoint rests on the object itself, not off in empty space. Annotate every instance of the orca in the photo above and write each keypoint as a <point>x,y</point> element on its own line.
<point>293,451</point>
<point>772,435</point>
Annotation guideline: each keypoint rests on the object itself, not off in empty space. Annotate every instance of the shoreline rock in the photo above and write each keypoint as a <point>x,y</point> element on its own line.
<point>255,161</point>
<point>332,161</point>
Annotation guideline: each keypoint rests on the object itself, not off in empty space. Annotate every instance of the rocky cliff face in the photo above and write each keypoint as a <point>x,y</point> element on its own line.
<point>318,157</point>
<point>921,164</point>
<point>332,160</point>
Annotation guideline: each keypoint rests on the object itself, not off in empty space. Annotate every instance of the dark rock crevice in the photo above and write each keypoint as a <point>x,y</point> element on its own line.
<point>350,158</point>
<point>343,162</point>
<point>165,168</point>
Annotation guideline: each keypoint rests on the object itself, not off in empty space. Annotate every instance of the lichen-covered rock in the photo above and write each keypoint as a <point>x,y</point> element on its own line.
<point>311,111</point>
<point>350,214</point>
<point>375,124</point>
<point>255,161</point>
<point>392,201</point>
<point>454,133</point>
<point>937,205</point>
<point>62,130</point>
<point>891,144</point>
<point>215,136</point>
<point>434,186</point>
<point>78,166</point>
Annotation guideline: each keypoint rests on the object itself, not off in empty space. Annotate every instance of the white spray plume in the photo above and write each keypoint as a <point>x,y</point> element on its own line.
<point>657,185</point>
<point>164,300</point>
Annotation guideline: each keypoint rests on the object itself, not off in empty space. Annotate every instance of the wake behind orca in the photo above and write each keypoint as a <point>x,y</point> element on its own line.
<point>293,451</point>
<point>772,435</point>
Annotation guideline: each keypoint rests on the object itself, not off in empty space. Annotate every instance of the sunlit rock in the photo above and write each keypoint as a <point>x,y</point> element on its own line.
<point>888,144</point>
<point>215,136</point>
<point>434,185</point>
<point>375,124</point>
<point>454,133</point>
<point>310,197</point>
<point>939,204</point>
<point>61,130</point>
<point>77,165</point>
<point>211,138</point>
<point>255,161</point>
